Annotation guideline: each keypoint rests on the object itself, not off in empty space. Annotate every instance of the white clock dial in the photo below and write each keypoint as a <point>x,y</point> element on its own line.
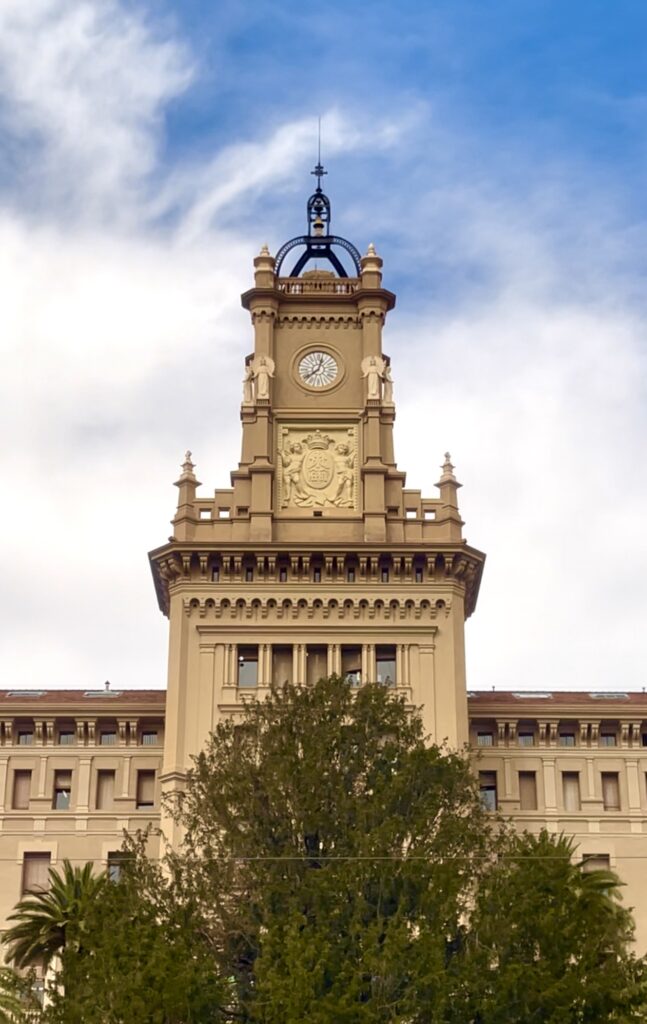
<point>318,369</point>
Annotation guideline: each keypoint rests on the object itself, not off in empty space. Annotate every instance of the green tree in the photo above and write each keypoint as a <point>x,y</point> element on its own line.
<point>334,854</point>
<point>47,922</point>
<point>144,959</point>
<point>547,942</point>
<point>17,1001</point>
<point>338,869</point>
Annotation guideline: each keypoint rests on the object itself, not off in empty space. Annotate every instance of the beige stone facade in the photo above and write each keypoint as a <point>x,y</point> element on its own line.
<point>317,559</point>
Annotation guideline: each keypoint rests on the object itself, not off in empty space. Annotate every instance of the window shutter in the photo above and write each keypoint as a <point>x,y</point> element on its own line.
<point>571,784</point>
<point>105,790</point>
<point>21,790</point>
<point>35,868</point>
<point>145,789</point>
<point>528,791</point>
<point>610,791</point>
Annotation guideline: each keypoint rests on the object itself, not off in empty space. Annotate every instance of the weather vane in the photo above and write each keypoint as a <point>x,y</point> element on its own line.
<point>319,171</point>
<point>319,243</point>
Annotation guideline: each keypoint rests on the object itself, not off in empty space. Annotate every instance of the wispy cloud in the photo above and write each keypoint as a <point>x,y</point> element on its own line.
<point>519,345</point>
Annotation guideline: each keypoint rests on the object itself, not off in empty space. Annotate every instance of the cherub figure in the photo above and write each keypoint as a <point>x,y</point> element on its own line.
<point>345,463</point>
<point>292,459</point>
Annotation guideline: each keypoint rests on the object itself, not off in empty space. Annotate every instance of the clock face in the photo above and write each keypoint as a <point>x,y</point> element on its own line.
<point>318,369</point>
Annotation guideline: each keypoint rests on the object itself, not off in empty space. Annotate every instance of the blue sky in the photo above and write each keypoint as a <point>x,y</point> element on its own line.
<point>494,152</point>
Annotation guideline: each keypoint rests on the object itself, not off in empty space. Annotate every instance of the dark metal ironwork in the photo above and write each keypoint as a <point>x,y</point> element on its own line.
<point>319,242</point>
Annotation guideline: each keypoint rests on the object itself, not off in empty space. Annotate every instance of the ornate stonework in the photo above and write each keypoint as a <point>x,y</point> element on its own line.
<point>317,466</point>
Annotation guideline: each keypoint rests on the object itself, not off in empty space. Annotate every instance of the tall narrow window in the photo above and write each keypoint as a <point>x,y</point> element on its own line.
<point>105,790</point>
<point>35,872</point>
<point>351,664</point>
<point>247,666</point>
<point>62,790</point>
<point>281,665</point>
<point>528,791</point>
<point>350,574</point>
<point>21,790</point>
<point>116,861</point>
<point>316,663</point>
<point>145,790</point>
<point>571,786</point>
<point>386,665</point>
<point>610,791</point>
<point>487,789</point>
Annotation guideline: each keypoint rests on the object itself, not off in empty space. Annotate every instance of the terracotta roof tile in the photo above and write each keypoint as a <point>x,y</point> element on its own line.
<point>592,699</point>
<point>95,698</point>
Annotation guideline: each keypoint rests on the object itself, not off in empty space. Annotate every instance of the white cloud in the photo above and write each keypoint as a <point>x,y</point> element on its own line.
<point>124,343</point>
<point>84,86</point>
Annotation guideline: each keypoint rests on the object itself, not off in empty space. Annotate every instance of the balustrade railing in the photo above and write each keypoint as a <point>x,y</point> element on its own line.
<point>313,286</point>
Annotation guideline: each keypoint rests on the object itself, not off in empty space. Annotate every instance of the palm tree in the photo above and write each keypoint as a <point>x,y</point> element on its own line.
<point>46,922</point>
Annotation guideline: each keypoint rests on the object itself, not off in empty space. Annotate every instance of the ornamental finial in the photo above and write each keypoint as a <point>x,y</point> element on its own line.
<point>447,467</point>
<point>188,465</point>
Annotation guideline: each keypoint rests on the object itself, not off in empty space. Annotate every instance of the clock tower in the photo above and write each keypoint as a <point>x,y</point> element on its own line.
<point>317,559</point>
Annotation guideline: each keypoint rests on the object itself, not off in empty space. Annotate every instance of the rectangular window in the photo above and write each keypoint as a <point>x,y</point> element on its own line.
<point>145,790</point>
<point>25,739</point>
<point>528,791</point>
<point>526,739</point>
<point>385,662</point>
<point>105,790</point>
<point>283,575</point>
<point>596,862</point>
<point>149,739</point>
<point>385,575</point>
<point>116,861</point>
<point>66,738</point>
<point>571,787</point>
<point>607,739</point>
<point>567,739</point>
<point>316,663</point>
<point>418,575</point>
<point>35,872</point>
<point>487,789</point>
<point>351,665</point>
<point>610,791</point>
<point>350,575</point>
<point>281,665</point>
<point>484,739</point>
<point>62,790</point>
<point>316,575</point>
<point>247,666</point>
<point>249,575</point>
<point>108,739</point>
<point>21,790</point>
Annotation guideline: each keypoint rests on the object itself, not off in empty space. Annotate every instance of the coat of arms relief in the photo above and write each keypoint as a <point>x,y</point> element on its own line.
<point>317,467</point>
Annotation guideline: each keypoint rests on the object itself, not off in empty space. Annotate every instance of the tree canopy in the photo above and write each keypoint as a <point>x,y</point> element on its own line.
<point>339,869</point>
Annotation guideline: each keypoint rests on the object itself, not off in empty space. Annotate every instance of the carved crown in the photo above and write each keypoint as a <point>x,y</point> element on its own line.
<point>318,440</point>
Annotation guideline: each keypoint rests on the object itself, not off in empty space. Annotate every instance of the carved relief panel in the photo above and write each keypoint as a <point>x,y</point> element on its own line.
<point>317,467</point>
